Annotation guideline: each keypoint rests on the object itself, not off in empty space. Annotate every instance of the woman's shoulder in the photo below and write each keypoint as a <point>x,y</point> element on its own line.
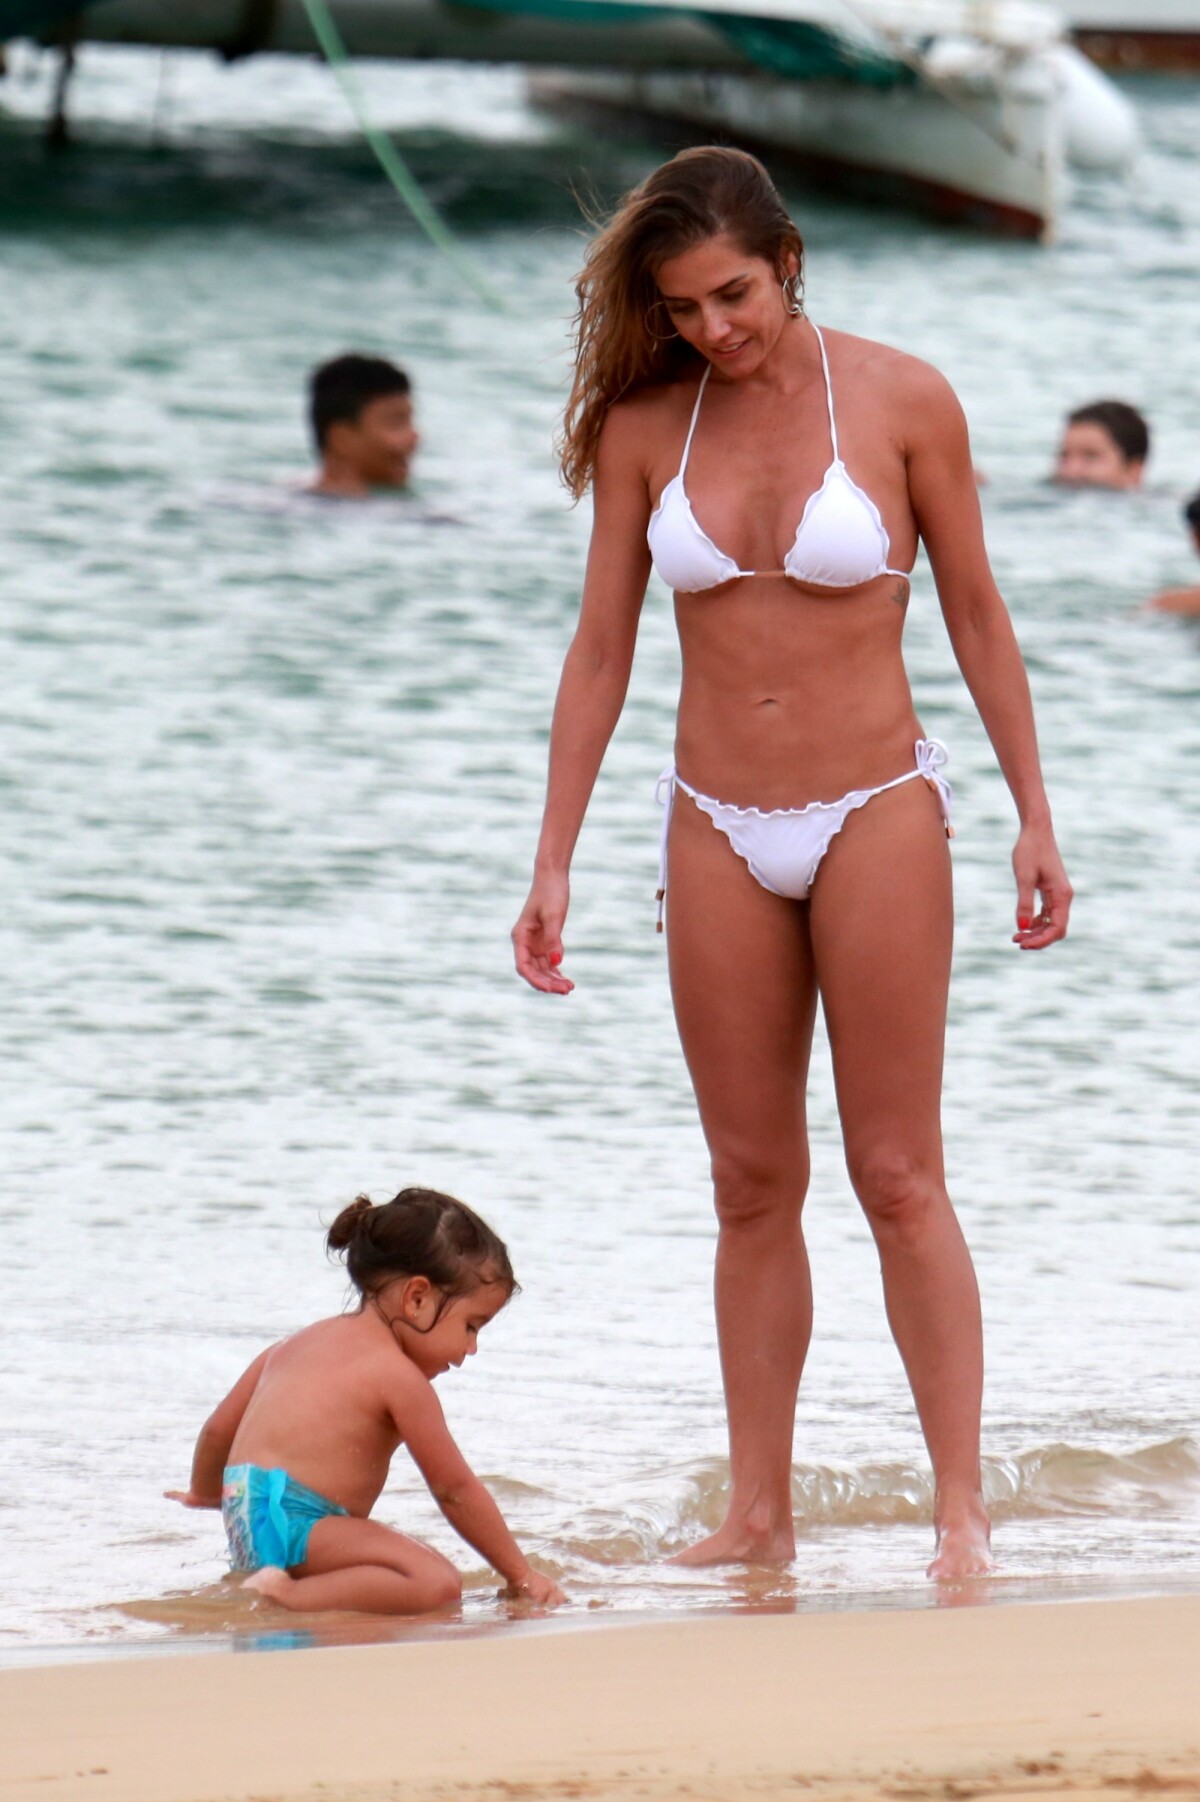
<point>657,400</point>
<point>640,422</point>
<point>896,372</point>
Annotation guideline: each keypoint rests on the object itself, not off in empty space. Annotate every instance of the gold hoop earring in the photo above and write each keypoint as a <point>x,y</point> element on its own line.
<point>793,295</point>
<point>656,337</point>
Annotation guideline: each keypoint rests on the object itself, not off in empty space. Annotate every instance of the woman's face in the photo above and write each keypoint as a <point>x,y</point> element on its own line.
<point>725,303</point>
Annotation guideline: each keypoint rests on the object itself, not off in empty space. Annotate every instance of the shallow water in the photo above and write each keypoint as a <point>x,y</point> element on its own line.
<point>271,773</point>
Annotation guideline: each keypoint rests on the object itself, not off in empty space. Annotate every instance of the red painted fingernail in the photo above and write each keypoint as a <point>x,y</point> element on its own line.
<point>1024,922</point>
<point>556,957</point>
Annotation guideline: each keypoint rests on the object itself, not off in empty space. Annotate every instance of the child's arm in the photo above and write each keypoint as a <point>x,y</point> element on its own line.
<point>216,1437</point>
<point>462,1498</point>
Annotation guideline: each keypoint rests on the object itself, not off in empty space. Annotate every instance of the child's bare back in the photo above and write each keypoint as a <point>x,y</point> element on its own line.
<point>299,1450</point>
<point>328,1405</point>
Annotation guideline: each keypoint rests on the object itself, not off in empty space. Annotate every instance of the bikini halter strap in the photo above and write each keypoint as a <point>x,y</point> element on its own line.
<point>687,443</point>
<point>828,390</point>
<point>695,416</point>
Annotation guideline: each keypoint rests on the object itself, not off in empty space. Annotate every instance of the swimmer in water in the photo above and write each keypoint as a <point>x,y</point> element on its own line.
<point>361,413</point>
<point>1104,445</point>
<point>299,1450</point>
<point>1183,600</point>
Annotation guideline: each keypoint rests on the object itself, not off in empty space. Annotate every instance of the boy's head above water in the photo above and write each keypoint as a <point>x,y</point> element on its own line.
<point>430,1267</point>
<point>1103,445</point>
<point>361,412</point>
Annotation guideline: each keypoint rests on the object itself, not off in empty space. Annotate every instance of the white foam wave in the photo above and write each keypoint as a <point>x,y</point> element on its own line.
<point>1057,1479</point>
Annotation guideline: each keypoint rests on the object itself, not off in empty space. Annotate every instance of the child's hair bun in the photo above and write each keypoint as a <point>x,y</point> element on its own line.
<point>419,1232</point>
<point>349,1223</point>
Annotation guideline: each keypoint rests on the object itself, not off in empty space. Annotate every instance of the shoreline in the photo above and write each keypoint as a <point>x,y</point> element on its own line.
<point>280,1631</point>
<point>257,1632</point>
<point>1094,1697</point>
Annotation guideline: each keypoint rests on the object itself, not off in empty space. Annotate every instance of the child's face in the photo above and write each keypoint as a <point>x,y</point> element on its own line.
<point>435,1342</point>
<point>1090,457</point>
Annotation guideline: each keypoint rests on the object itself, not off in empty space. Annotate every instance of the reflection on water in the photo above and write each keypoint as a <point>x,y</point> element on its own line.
<point>271,775</point>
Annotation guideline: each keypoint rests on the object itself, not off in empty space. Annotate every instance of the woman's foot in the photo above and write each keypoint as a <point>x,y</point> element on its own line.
<point>270,1581</point>
<point>964,1542</point>
<point>743,1541</point>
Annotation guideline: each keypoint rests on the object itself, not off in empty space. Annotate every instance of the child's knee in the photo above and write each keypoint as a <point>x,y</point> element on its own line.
<point>442,1587</point>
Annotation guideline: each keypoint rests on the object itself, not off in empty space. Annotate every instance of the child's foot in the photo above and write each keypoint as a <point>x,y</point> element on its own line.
<point>270,1581</point>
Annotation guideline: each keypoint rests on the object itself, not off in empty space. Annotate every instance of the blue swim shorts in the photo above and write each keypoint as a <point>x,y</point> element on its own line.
<point>268,1517</point>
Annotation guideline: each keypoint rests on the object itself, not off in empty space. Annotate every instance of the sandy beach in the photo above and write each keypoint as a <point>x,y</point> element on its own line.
<point>1094,1699</point>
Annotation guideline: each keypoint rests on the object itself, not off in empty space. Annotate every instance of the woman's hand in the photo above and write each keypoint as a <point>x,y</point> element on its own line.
<point>190,1499</point>
<point>1039,871</point>
<point>537,935</point>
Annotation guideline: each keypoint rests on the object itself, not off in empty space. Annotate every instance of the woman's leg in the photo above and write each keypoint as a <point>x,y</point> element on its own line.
<point>364,1566</point>
<point>881,918</point>
<point>744,994</point>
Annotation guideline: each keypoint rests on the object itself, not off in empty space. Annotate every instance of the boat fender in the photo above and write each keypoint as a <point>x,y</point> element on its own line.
<point>1100,127</point>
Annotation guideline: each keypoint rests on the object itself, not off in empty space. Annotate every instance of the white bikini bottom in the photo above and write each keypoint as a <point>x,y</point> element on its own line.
<point>784,847</point>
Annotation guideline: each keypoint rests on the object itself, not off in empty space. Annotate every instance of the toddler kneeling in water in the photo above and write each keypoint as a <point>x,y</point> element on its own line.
<point>298,1452</point>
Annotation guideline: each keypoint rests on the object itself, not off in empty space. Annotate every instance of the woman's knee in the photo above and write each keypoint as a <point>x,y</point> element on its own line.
<point>752,1188</point>
<point>899,1194</point>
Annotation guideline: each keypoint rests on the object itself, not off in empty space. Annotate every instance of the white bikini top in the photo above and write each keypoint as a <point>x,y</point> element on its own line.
<point>840,541</point>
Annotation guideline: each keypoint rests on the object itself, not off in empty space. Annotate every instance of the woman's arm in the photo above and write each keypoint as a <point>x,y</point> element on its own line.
<point>945,502</point>
<point>591,691</point>
<point>1176,600</point>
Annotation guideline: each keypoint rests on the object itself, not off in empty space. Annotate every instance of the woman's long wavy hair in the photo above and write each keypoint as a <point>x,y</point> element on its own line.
<point>623,339</point>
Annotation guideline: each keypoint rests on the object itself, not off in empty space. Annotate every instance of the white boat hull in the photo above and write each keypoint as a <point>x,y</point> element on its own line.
<point>991,159</point>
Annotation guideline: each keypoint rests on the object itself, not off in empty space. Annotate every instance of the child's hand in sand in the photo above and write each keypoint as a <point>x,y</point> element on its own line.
<point>190,1499</point>
<point>536,1588</point>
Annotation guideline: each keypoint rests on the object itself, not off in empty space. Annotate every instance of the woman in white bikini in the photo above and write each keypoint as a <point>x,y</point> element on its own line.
<point>709,415</point>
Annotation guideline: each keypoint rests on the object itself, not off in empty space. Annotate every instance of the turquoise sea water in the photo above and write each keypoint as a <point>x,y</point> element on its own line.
<point>270,774</point>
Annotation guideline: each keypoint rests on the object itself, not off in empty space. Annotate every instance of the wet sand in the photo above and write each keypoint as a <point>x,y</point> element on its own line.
<point>1094,1699</point>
